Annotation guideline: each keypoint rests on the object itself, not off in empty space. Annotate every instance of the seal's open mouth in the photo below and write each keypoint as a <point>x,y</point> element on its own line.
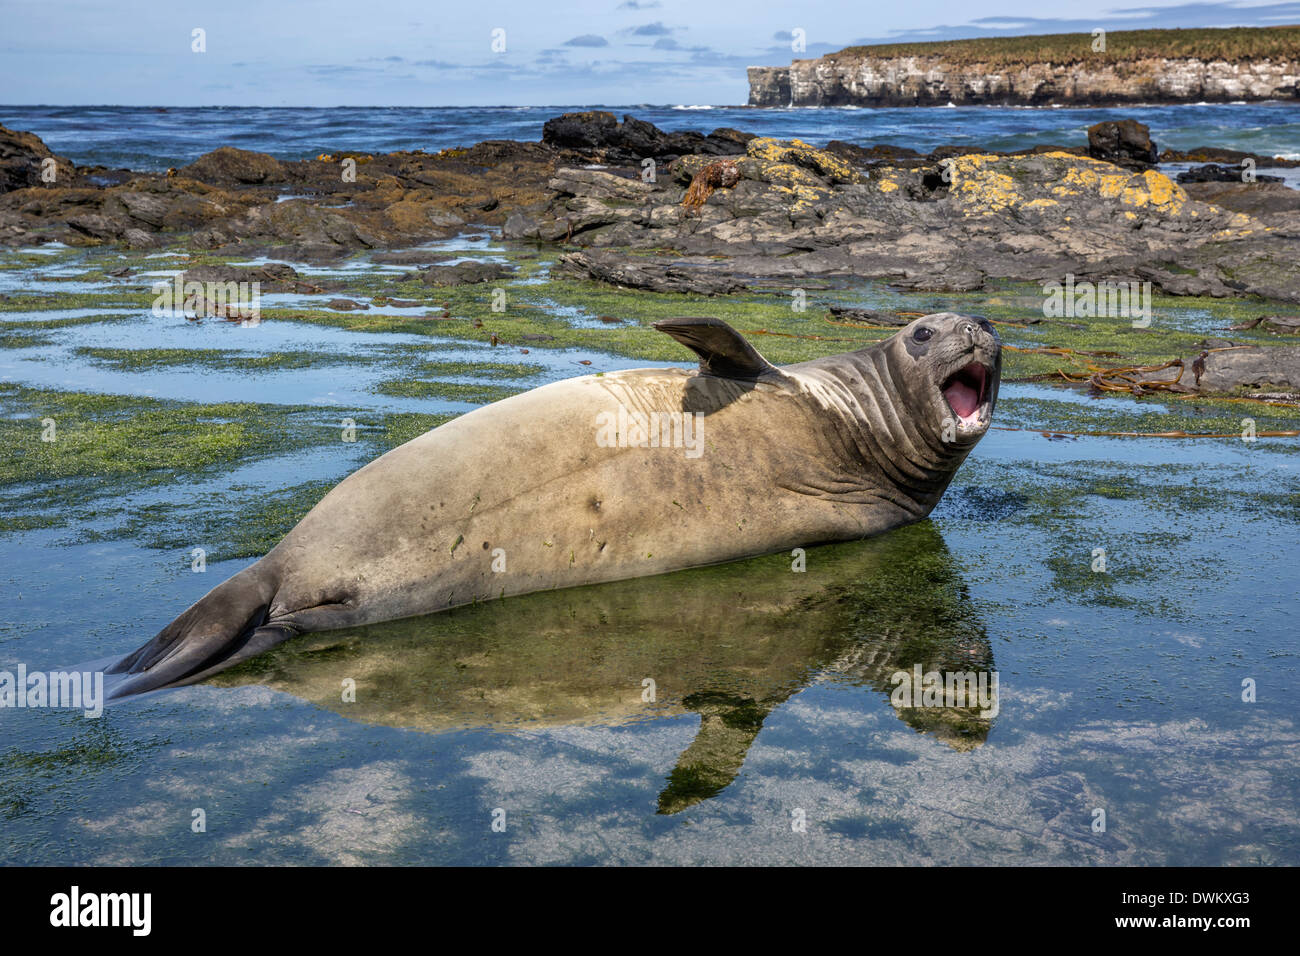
<point>966,391</point>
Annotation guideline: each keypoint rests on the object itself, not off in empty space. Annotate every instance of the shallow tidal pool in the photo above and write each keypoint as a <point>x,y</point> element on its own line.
<point>1145,711</point>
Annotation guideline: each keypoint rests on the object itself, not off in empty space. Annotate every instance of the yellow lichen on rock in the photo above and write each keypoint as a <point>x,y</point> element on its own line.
<point>1154,189</point>
<point>979,187</point>
<point>802,187</point>
<point>989,183</point>
<point>798,153</point>
<point>1080,179</point>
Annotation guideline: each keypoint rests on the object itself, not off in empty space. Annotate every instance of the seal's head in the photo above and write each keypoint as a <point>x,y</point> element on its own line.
<point>949,366</point>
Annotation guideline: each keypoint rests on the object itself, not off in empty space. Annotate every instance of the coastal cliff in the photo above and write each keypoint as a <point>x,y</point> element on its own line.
<point>1140,66</point>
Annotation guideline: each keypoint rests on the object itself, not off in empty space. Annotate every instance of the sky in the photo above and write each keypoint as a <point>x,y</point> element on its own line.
<point>509,52</point>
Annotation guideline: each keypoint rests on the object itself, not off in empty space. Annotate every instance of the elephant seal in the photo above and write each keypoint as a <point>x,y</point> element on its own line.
<point>608,477</point>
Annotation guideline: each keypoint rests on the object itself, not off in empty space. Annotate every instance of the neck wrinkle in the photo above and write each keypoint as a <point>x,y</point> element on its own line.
<point>908,454</point>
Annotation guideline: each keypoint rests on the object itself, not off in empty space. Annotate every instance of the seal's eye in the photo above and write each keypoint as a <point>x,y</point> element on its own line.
<point>923,334</point>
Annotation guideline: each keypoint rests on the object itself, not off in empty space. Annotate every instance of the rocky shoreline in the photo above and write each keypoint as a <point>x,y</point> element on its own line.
<point>613,195</point>
<point>617,198</point>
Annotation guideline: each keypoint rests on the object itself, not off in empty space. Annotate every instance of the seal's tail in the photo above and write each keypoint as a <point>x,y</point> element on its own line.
<point>225,626</point>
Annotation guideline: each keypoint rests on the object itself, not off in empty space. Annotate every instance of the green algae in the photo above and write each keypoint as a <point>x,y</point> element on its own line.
<point>107,298</point>
<point>23,340</point>
<point>494,370</point>
<point>15,325</point>
<point>105,446</point>
<point>239,523</point>
<point>56,435</point>
<point>143,359</point>
<point>477,393</point>
<point>1151,415</point>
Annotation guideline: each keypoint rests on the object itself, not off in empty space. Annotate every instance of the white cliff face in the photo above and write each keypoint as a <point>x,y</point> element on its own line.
<point>930,81</point>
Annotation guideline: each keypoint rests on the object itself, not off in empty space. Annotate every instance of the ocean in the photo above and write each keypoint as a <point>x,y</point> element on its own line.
<point>154,138</point>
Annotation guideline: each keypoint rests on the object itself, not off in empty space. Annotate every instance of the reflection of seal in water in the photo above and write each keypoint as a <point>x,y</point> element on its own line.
<point>728,643</point>
<point>557,487</point>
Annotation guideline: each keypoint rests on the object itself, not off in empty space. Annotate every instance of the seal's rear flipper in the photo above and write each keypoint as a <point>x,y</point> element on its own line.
<point>722,350</point>
<point>226,626</point>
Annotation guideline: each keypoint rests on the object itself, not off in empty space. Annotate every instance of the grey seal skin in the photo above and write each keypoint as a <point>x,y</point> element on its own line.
<point>524,495</point>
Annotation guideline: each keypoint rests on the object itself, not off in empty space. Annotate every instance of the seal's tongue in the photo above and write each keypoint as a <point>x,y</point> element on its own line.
<point>964,391</point>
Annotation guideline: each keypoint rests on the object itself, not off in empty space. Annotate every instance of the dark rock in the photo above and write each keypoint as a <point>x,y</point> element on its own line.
<point>948,152</point>
<point>305,252</point>
<point>1125,143</point>
<point>846,313</point>
<point>271,272</point>
<point>228,165</point>
<point>590,129</point>
<point>599,184</point>
<point>271,277</point>
<point>169,204</point>
<point>345,305</point>
<point>465,273</point>
<point>635,139</point>
<point>139,239</point>
<point>872,155</point>
<point>313,226</point>
<point>950,279</point>
<point>1048,148</point>
<point>652,275</point>
<point>1228,157</point>
<point>22,158</point>
<point>725,134</point>
<point>98,226</point>
<point>1218,173</point>
<point>1257,264</point>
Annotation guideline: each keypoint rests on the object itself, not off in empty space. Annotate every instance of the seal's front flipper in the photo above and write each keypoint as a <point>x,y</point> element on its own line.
<point>728,725</point>
<point>227,625</point>
<point>722,350</point>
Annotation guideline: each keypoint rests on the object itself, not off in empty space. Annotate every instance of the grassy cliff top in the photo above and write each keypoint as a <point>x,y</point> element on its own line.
<point>1231,43</point>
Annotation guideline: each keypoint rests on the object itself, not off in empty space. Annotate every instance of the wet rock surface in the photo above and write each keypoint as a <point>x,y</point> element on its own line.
<point>796,212</point>
<point>652,274</point>
<point>271,277</point>
<point>1225,367</point>
<point>464,273</point>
